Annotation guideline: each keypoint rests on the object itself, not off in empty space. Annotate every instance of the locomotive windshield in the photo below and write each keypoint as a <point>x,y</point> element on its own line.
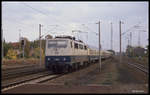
<point>57,43</point>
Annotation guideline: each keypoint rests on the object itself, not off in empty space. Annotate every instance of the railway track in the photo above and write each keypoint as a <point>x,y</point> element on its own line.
<point>17,67</point>
<point>13,73</point>
<point>140,67</point>
<point>37,79</point>
<point>33,80</point>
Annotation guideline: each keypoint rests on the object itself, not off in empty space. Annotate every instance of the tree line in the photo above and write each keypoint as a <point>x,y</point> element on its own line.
<point>14,50</point>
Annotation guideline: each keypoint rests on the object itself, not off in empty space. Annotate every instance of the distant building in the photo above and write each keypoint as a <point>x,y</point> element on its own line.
<point>15,45</point>
<point>138,51</point>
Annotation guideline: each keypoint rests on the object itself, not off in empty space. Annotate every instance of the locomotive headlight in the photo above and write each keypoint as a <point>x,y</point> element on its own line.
<point>49,59</point>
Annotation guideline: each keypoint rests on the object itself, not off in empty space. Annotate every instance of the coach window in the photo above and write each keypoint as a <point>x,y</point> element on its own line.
<point>76,45</point>
<point>80,46</point>
<point>85,47</point>
<point>71,44</point>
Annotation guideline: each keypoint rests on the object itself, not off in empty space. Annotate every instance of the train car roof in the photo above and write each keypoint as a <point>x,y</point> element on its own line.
<point>92,47</point>
<point>68,38</point>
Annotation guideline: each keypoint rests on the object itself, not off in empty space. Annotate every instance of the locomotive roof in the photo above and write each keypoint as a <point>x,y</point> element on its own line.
<point>68,37</point>
<point>92,47</point>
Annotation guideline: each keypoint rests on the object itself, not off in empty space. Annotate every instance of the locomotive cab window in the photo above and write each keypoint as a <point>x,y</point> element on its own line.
<point>80,46</point>
<point>57,43</point>
<point>71,44</point>
<point>85,47</point>
<point>76,45</point>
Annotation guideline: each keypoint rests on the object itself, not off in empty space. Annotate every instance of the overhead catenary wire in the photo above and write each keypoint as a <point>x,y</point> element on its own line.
<point>89,29</point>
<point>49,31</point>
<point>42,12</point>
<point>19,22</point>
<point>22,24</point>
<point>39,11</point>
<point>137,27</point>
<point>34,9</point>
<point>133,27</point>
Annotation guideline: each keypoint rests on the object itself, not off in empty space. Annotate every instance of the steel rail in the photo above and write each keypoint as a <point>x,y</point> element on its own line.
<point>28,81</point>
<point>140,67</point>
<point>21,72</point>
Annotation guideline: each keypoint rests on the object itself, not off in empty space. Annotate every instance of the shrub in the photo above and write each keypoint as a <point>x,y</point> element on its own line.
<point>11,54</point>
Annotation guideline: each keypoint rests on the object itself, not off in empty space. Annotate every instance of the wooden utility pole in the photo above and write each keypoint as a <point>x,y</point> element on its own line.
<point>19,42</point>
<point>130,38</point>
<point>23,52</point>
<point>139,39</point>
<point>120,39</point>
<point>111,41</point>
<point>128,42</point>
<point>40,41</point>
<point>99,48</point>
<point>2,45</point>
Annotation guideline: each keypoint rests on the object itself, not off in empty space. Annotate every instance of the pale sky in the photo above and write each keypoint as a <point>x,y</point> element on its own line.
<point>68,16</point>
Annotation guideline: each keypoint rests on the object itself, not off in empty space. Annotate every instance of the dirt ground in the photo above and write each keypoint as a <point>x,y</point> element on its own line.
<point>143,61</point>
<point>114,77</point>
<point>8,64</point>
<point>119,76</point>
